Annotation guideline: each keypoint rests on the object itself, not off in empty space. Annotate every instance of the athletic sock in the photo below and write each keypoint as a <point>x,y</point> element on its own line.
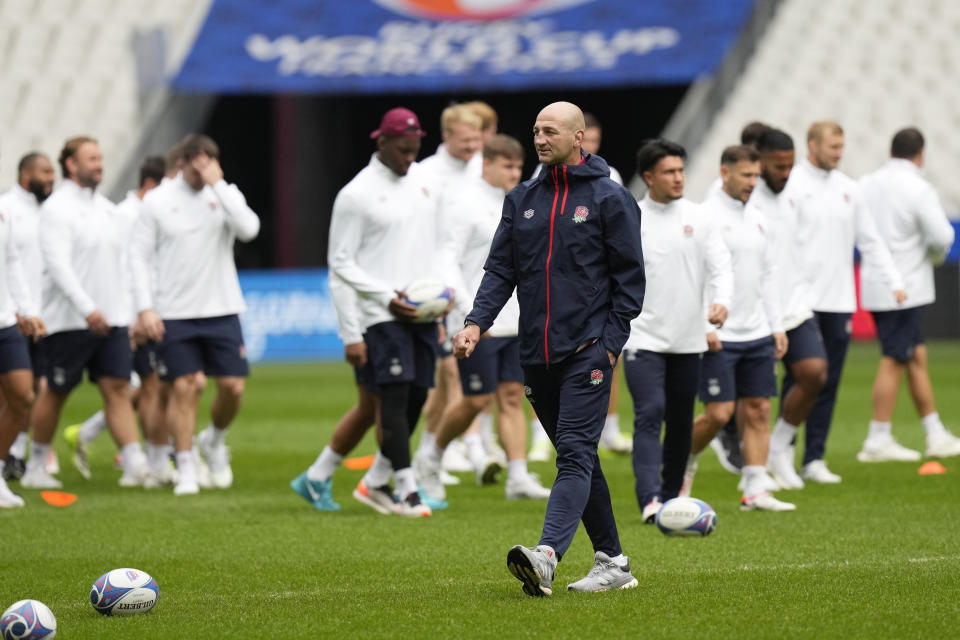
<point>156,457</point>
<point>38,455</point>
<point>484,421</point>
<point>217,436</point>
<point>878,429</point>
<point>475,451</point>
<point>620,560</point>
<point>324,466</point>
<point>404,482</point>
<point>434,451</point>
<point>611,427</point>
<point>133,458</point>
<point>783,434</point>
<point>537,432</point>
<point>753,476</point>
<point>185,467</point>
<point>19,447</point>
<point>92,427</point>
<point>933,426</point>
<point>427,440</point>
<point>379,472</point>
<point>516,470</point>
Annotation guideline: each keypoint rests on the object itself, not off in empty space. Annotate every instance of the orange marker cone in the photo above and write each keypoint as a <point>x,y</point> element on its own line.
<point>58,498</point>
<point>931,468</point>
<point>358,463</point>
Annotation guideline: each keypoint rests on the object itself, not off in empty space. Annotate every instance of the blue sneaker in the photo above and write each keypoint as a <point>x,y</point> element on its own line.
<point>433,503</point>
<point>316,493</point>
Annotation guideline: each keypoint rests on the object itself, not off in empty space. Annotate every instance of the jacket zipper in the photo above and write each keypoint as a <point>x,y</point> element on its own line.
<point>553,210</point>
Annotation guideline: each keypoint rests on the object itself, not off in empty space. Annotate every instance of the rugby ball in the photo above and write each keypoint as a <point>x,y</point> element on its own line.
<point>686,517</point>
<point>124,592</point>
<point>28,620</point>
<point>430,296</point>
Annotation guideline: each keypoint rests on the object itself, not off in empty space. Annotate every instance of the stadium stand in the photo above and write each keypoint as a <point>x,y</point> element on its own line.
<point>99,60</point>
<point>874,66</point>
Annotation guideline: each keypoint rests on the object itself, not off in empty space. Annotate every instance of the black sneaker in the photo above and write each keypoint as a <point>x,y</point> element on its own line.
<point>413,507</point>
<point>14,468</point>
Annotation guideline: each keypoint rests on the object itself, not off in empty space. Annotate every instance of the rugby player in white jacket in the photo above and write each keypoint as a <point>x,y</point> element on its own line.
<point>19,316</point>
<point>22,202</point>
<point>494,370</point>
<point>87,309</point>
<point>740,364</point>
<point>687,264</point>
<point>832,220</point>
<point>805,361</point>
<point>913,225</point>
<point>186,231</point>
<point>383,237</point>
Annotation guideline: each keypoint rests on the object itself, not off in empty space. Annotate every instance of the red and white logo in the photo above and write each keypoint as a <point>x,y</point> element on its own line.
<point>687,230</point>
<point>475,9</point>
<point>596,377</point>
<point>213,205</point>
<point>580,215</point>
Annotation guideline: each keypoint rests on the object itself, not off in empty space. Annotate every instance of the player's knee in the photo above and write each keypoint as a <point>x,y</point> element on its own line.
<point>719,412</point>
<point>813,376</point>
<point>20,402</point>
<point>757,410</point>
<point>231,386</point>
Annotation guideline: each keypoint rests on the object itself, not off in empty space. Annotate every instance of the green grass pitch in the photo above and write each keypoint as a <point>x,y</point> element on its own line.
<point>876,556</point>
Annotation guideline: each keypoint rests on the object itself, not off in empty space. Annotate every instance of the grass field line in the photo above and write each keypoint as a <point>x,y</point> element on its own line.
<point>872,563</point>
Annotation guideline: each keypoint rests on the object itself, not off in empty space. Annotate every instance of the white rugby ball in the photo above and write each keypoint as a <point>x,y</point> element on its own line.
<point>28,620</point>
<point>686,517</point>
<point>124,592</point>
<point>430,296</point>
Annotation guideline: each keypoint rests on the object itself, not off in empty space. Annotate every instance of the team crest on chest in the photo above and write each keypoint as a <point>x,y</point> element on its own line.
<point>687,231</point>
<point>213,205</point>
<point>528,214</point>
<point>596,377</point>
<point>580,214</point>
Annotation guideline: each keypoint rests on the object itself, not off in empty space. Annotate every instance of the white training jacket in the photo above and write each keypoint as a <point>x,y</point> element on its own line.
<point>464,246</point>
<point>23,207</point>
<point>755,310</point>
<point>451,171</point>
<point>779,214</point>
<point>831,221</point>
<point>688,267</point>
<point>914,227</point>
<point>345,303</point>
<point>383,235</point>
<point>83,244</point>
<point>187,237</point>
<point>14,297</point>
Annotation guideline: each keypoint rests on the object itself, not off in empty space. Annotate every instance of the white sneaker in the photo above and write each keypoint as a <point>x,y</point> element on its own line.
<point>8,499</point>
<point>540,451</point>
<point>201,469</point>
<point>455,458</point>
<point>413,507</point>
<point>448,479</point>
<point>427,473</point>
<point>817,471</point>
<point>766,484</point>
<point>134,479</point>
<point>885,448</point>
<point>780,467</point>
<point>494,450</point>
<point>765,502</point>
<point>526,487</point>
<point>945,446</point>
<point>52,462</point>
<point>156,479</point>
<point>617,443</point>
<point>651,510</point>
<point>218,459</point>
<point>39,478</point>
<point>186,488</point>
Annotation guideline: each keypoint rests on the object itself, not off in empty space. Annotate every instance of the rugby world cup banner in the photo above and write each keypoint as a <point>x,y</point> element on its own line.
<point>384,46</point>
<point>289,316</point>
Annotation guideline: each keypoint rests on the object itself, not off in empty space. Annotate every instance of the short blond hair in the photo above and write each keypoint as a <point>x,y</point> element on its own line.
<point>488,116</point>
<point>821,127</point>
<point>70,148</point>
<point>459,114</point>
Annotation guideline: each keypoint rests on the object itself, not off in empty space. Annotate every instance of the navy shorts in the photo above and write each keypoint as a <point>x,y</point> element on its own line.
<point>38,357</point>
<point>68,353</point>
<point>804,341</point>
<point>13,350</point>
<point>900,332</point>
<point>212,345</point>
<point>402,352</point>
<point>145,359</point>
<point>739,370</point>
<point>364,377</point>
<point>495,360</point>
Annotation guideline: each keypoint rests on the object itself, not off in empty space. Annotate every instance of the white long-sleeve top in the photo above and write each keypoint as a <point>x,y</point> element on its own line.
<point>451,170</point>
<point>914,227</point>
<point>831,221</point>
<point>187,236</point>
<point>383,235</point>
<point>464,247</point>
<point>755,310</point>
<point>83,244</point>
<point>345,302</point>
<point>779,214</point>
<point>24,209</point>
<point>14,297</point>
<point>688,267</point>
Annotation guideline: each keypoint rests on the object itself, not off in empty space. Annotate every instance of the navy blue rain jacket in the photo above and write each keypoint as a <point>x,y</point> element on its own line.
<point>569,241</point>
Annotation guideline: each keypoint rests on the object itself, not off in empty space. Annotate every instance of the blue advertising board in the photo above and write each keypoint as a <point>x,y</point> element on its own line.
<point>384,46</point>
